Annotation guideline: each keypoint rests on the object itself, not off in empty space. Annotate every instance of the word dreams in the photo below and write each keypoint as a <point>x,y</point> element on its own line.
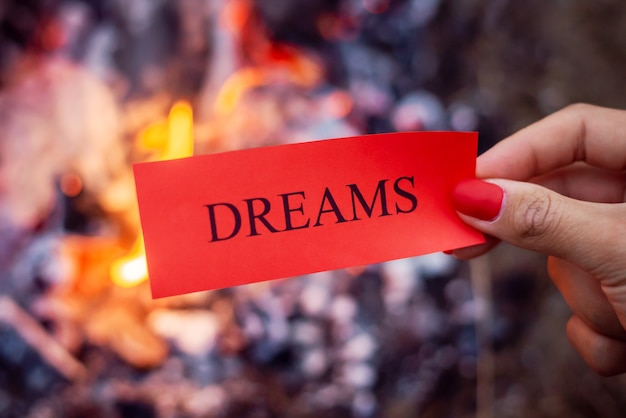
<point>292,214</point>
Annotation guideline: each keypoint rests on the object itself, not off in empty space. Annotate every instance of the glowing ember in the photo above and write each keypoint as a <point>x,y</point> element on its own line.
<point>176,141</point>
<point>71,184</point>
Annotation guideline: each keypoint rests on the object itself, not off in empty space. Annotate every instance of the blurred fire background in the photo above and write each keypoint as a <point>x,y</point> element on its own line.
<point>87,87</point>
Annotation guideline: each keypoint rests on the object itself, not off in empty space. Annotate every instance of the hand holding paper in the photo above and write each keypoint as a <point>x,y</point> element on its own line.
<point>557,187</point>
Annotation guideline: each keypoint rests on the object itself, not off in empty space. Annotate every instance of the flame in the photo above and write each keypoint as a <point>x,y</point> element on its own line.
<point>236,86</point>
<point>180,132</point>
<point>175,140</point>
<point>132,269</point>
<point>281,63</point>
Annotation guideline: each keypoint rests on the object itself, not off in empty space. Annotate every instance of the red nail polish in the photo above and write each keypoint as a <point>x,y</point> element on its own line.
<point>478,199</point>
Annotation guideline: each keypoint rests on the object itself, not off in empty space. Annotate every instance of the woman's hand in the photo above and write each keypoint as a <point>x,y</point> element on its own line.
<point>559,187</point>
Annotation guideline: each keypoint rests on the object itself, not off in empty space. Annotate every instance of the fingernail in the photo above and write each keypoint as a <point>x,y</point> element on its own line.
<point>478,199</point>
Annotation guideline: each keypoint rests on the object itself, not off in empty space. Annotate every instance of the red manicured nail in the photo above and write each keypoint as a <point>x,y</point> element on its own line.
<point>478,199</point>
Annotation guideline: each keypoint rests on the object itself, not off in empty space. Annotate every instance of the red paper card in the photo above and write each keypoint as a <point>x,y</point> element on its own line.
<point>221,220</point>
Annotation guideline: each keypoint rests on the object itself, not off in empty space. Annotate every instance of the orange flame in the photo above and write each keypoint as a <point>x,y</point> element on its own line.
<point>131,269</point>
<point>236,86</point>
<point>281,64</point>
<point>176,141</point>
<point>180,132</point>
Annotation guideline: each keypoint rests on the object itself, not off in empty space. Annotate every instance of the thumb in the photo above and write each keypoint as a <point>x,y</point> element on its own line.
<point>590,235</point>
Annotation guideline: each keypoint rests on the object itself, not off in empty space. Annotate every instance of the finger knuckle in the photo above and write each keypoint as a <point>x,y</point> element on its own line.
<point>577,108</point>
<point>539,216</point>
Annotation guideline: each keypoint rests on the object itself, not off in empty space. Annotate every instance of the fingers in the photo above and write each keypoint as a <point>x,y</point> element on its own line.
<point>583,182</point>
<point>605,355</point>
<point>585,297</point>
<point>467,253</point>
<point>589,235</point>
<point>594,329</point>
<point>578,181</point>
<point>578,152</point>
<point>586,133</point>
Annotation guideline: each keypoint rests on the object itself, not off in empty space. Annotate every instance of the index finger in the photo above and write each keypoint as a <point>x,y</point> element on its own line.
<point>579,132</point>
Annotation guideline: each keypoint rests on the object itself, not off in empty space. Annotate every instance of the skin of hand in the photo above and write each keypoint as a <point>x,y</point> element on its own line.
<point>558,187</point>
